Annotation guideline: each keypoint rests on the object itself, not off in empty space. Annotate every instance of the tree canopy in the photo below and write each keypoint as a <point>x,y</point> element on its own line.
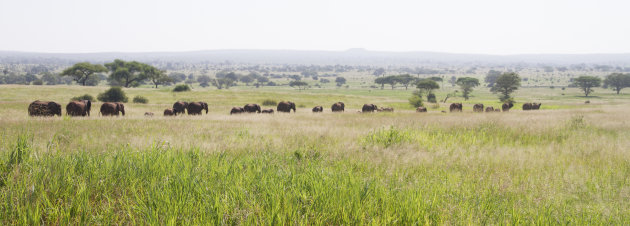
<point>81,72</point>
<point>617,81</point>
<point>506,84</point>
<point>467,84</point>
<point>300,84</point>
<point>126,73</point>
<point>586,83</point>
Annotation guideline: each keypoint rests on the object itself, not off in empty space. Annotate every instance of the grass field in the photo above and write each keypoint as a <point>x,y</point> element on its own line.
<point>565,164</point>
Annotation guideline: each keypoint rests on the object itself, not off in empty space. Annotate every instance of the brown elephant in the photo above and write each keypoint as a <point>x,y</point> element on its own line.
<point>421,109</point>
<point>506,106</point>
<point>385,109</point>
<point>252,108</point>
<point>478,108</point>
<point>44,108</point>
<point>456,107</point>
<point>180,106</point>
<point>286,106</point>
<point>531,106</point>
<point>338,107</point>
<point>317,109</point>
<point>170,112</point>
<point>267,111</point>
<point>490,109</point>
<point>536,106</point>
<point>112,108</point>
<point>237,110</point>
<point>79,108</point>
<point>369,108</point>
<point>194,108</point>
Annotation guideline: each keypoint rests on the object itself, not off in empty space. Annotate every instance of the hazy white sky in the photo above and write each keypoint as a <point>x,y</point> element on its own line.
<point>460,26</point>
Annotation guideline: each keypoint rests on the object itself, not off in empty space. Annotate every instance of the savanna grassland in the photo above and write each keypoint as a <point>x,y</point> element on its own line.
<point>567,163</point>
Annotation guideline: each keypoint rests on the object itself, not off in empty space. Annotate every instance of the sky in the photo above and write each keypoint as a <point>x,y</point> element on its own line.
<point>455,26</point>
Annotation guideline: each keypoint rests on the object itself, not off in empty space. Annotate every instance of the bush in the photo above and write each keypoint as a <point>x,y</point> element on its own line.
<point>140,100</point>
<point>38,82</point>
<point>416,101</point>
<point>84,97</point>
<point>271,84</point>
<point>114,94</point>
<point>181,88</point>
<point>269,102</point>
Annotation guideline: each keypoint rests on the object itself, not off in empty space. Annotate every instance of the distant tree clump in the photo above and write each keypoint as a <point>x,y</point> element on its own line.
<point>379,72</point>
<point>83,97</point>
<point>140,100</point>
<point>405,80</point>
<point>81,72</point>
<point>505,85</point>
<point>587,83</point>
<point>467,84</point>
<point>181,88</point>
<point>340,81</point>
<point>617,81</point>
<point>491,77</point>
<point>113,94</point>
<point>269,102</point>
<point>301,85</point>
<point>127,74</point>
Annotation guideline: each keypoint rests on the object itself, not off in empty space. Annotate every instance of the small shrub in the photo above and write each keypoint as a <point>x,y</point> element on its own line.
<point>271,84</point>
<point>140,100</point>
<point>38,82</point>
<point>269,102</point>
<point>181,88</point>
<point>415,101</point>
<point>83,97</point>
<point>114,94</point>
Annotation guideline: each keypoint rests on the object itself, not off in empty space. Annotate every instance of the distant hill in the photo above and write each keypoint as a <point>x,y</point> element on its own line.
<point>349,57</point>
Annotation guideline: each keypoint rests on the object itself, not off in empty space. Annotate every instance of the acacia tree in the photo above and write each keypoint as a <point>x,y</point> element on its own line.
<point>81,72</point>
<point>405,80</point>
<point>506,84</point>
<point>381,81</point>
<point>127,73</point>
<point>426,86</point>
<point>467,84</point>
<point>617,81</point>
<point>300,84</point>
<point>340,81</point>
<point>157,77</point>
<point>586,83</point>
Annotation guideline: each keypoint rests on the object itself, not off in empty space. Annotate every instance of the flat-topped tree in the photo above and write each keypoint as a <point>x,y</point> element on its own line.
<point>127,73</point>
<point>467,84</point>
<point>80,72</point>
<point>586,83</point>
<point>157,76</point>
<point>506,84</point>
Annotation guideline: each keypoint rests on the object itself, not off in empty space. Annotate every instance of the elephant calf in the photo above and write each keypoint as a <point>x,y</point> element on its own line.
<point>267,111</point>
<point>170,112</point>
<point>317,109</point>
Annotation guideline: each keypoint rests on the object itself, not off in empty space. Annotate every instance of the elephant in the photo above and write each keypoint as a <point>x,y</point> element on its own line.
<point>456,107</point>
<point>267,111</point>
<point>421,109</point>
<point>170,112</point>
<point>180,106</point>
<point>385,109</point>
<point>536,106</point>
<point>237,110</point>
<point>338,107</point>
<point>369,108</point>
<point>79,108</point>
<point>286,106</point>
<point>44,108</point>
<point>478,108</point>
<point>194,108</point>
<point>317,109</point>
<point>252,108</point>
<point>490,109</point>
<point>506,106</point>
<point>112,108</point>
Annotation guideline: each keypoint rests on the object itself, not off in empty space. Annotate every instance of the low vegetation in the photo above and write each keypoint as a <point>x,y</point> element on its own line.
<point>83,97</point>
<point>140,100</point>
<point>181,88</point>
<point>113,94</point>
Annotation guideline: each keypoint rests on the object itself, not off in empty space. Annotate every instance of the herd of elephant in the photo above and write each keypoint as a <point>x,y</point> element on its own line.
<point>83,107</point>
